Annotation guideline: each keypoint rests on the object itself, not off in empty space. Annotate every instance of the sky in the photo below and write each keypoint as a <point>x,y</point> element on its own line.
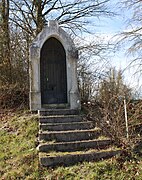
<point>107,28</point>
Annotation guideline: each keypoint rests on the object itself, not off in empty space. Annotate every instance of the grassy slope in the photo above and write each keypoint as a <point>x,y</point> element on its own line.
<point>19,158</point>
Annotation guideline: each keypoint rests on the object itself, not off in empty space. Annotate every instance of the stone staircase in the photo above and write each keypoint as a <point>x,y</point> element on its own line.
<point>65,139</point>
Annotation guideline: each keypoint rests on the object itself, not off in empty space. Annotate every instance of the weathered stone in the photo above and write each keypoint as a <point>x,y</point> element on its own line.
<point>66,126</point>
<point>64,136</point>
<point>60,119</point>
<point>51,112</point>
<point>71,159</point>
<point>53,31</point>
<point>63,142</point>
<point>74,146</point>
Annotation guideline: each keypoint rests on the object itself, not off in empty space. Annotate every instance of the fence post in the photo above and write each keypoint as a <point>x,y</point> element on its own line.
<point>126,119</point>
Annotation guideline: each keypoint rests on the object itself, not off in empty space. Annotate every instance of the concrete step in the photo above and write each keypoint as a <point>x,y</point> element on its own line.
<point>66,136</point>
<point>52,160</point>
<point>74,146</point>
<point>69,139</point>
<point>60,119</point>
<point>50,112</point>
<point>66,126</point>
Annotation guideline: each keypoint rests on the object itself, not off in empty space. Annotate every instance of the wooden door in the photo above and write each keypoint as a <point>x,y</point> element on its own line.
<point>53,73</point>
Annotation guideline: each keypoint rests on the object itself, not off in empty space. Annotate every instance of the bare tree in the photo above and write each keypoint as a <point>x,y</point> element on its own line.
<point>93,61</point>
<point>109,108</point>
<point>33,15</point>
<point>133,33</point>
<point>5,58</point>
<point>26,18</point>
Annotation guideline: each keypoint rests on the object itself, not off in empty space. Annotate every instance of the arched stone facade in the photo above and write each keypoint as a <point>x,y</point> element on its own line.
<point>55,32</point>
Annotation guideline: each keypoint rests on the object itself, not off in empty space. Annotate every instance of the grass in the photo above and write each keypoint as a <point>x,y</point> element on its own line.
<point>19,158</point>
<point>105,170</point>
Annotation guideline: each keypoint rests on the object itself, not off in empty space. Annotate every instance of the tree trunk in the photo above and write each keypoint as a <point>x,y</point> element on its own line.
<point>39,18</point>
<point>6,59</point>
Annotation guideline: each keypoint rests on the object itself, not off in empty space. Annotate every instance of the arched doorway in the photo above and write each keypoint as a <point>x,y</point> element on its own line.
<point>53,75</point>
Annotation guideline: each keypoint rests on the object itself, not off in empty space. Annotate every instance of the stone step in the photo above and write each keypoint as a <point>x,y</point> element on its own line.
<point>74,146</point>
<point>60,119</point>
<point>66,126</point>
<point>53,160</point>
<point>50,112</point>
<point>65,136</point>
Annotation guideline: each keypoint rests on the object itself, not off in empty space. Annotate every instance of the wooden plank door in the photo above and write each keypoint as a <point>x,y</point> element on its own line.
<point>53,73</point>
